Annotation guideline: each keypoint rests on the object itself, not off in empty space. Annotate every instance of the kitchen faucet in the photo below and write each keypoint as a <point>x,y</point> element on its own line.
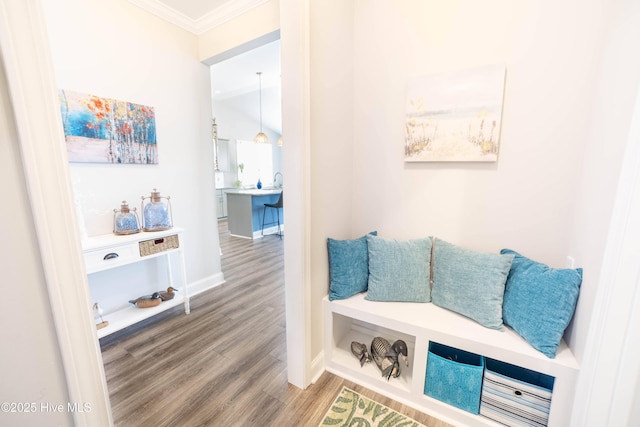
<point>275,177</point>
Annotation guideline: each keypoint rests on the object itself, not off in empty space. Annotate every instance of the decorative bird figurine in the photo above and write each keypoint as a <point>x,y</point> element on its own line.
<point>168,294</point>
<point>147,300</point>
<point>400,349</point>
<point>386,356</point>
<point>97,313</point>
<point>359,350</point>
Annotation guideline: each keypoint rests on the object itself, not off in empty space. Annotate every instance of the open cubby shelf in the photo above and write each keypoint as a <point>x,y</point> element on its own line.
<point>357,319</point>
<point>364,333</point>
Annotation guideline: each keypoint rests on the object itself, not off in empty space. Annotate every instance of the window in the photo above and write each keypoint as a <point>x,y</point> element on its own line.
<point>254,162</point>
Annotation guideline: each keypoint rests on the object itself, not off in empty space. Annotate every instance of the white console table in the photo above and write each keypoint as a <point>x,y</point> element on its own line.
<point>112,251</point>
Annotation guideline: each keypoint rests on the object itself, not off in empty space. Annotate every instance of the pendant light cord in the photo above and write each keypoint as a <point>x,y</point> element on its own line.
<point>261,137</point>
<point>260,85</point>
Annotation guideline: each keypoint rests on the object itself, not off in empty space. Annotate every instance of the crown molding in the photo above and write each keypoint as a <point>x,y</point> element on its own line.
<point>226,12</point>
<point>218,16</point>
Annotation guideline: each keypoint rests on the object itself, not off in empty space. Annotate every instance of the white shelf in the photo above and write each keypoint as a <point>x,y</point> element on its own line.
<point>356,319</point>
<point>129,315</point>
<point>110,240</point>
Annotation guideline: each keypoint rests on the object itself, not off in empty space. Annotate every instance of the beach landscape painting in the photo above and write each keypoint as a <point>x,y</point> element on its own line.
<point>103,130</point>
<point>455,116</point>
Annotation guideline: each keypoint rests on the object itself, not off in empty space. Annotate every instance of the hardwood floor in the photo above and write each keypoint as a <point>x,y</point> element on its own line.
<point>225,363</point>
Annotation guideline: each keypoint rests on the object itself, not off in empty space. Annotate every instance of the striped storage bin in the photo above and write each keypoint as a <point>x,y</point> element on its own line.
<point>515,396</point>
<point>454,376</point>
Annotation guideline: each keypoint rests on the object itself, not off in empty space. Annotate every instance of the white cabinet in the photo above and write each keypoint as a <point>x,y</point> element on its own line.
<point>356,319</point>
<point>110,251</point>
<point>221,209</point>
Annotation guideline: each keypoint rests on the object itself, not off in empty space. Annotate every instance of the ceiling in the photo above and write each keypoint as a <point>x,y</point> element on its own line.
<point>234,80</point>
<point>235,84</point>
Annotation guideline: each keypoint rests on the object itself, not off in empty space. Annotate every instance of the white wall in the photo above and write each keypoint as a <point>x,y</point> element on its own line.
<point>523,201</point>
<point>117,50</point>
<point>527,199</point>
<point>333,157</point>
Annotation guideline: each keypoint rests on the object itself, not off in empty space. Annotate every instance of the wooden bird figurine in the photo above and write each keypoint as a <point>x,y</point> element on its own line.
<point>386,356</point>
<point>147,300</point>
<point>168,294</point>
<point>359,350</point>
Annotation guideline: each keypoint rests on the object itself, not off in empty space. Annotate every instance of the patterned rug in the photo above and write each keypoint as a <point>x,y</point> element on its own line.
<point>351,409</point>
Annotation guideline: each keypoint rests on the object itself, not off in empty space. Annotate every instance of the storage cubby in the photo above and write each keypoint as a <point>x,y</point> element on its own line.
<point>347,329</point>
<point>418,324</point>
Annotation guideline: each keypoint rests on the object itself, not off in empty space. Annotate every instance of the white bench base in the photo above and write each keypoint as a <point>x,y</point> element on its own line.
<point>356,319</point>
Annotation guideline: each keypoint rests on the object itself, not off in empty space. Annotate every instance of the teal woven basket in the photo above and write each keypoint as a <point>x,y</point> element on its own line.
<point>454,376</point>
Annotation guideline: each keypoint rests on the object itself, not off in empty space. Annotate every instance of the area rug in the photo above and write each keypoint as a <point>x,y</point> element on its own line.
<point>353,410</point>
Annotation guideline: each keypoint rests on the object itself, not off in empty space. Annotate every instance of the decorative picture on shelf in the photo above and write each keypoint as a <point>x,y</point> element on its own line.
<point>103,130</point>
<point>455,117</point>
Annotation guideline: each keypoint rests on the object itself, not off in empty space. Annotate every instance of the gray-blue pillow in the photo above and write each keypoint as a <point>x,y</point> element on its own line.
<point>348,267</point>
<point>539,301</point>
<point>469,282</point>
<point>399,269</point>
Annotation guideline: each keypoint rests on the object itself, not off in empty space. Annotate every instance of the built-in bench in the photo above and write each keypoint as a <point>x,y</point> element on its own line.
<point>358,319</point>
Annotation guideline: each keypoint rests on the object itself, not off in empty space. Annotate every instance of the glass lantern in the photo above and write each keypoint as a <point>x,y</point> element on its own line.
<point>125,220</point>
<point>156,212</point>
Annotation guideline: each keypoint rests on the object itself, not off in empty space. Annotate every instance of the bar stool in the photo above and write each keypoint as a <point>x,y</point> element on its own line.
<point>277,206</point>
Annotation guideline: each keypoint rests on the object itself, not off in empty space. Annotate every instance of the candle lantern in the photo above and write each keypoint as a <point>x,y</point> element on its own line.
<point>156,212</point>
<point>125,220</point>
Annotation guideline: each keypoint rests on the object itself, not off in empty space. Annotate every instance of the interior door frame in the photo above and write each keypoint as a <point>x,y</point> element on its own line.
<point>295,75</point>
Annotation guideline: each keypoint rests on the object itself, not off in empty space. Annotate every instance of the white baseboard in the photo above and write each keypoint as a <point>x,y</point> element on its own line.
<point>317,367</point>
<point>205,284</point>
<point>268,231</point>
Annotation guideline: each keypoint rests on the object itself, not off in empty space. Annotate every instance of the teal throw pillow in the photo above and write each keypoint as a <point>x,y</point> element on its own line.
<point>539,301</point>
<point>348,267</point>
<point>399,269</point>
<point>469,282</point>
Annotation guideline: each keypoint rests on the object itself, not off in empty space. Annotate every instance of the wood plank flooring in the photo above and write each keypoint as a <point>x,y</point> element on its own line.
<point>225,363</point>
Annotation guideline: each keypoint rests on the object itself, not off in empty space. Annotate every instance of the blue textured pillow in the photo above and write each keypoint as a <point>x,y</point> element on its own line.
<point>348,267</point>
<point>539,301</point>
<point>470,283</point>
<point>399,269</point>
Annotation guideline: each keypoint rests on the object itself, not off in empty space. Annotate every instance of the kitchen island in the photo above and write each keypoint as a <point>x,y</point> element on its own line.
<point>245,209</point>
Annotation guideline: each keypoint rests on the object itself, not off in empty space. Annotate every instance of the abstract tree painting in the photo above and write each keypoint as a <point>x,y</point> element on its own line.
<point>455,116</point>
<point>102,130</point>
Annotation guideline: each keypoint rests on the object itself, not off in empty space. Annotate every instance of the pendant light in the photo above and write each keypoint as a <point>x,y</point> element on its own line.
<point>261,138</point>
